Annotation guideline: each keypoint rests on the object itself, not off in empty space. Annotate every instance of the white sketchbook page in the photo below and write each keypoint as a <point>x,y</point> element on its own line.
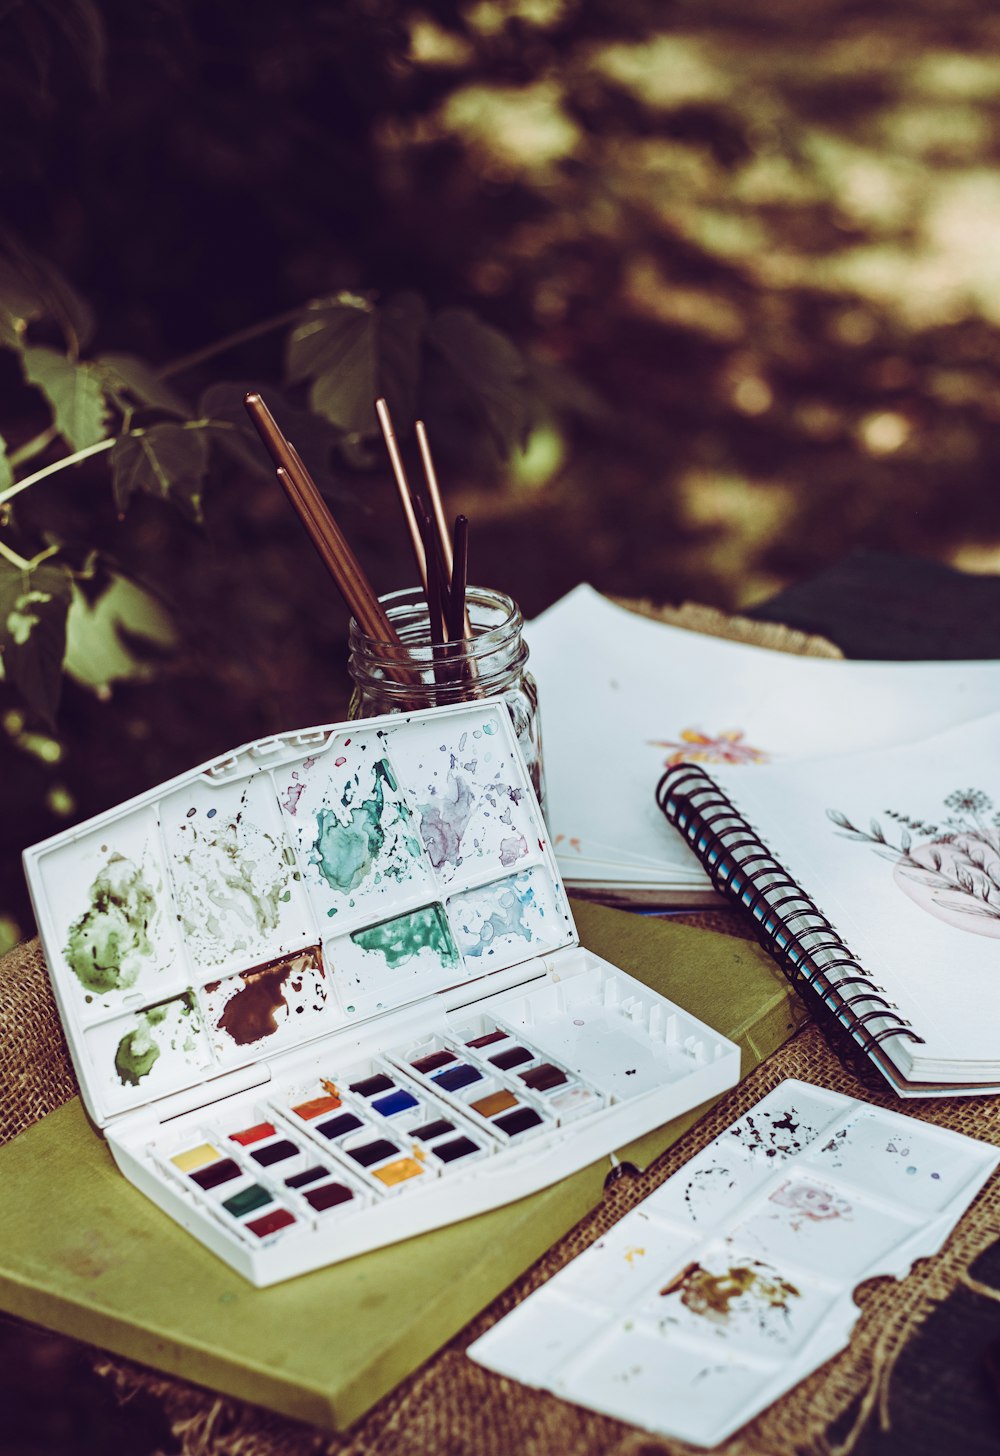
<point>615,687</point>
<point>935,949</point>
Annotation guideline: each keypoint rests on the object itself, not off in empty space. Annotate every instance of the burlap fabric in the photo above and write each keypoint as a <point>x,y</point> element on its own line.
<point>36,1074</point>
<point>451,1407</point>
<point>711,622</point>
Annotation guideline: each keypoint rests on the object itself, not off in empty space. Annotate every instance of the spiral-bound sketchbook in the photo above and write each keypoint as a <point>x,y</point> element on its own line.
<point>874,878</point>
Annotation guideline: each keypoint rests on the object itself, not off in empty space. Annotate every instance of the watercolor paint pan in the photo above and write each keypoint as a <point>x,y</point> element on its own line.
<point>435,1137</point>
<point>431,1127</point>
<point>260,1181</point>
<point>488,1098</point>
<point>560,1091</point>
<point>305,905</point>
<point>735,1278</point>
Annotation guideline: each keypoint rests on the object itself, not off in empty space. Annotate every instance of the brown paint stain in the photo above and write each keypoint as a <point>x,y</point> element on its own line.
<point>713,1295</point>
<point>252,1013</point>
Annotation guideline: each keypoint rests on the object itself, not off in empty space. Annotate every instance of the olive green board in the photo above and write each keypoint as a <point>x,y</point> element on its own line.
<point>84,1253</point>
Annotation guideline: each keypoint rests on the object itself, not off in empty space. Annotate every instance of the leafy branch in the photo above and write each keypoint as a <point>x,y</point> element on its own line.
<point>341,352</point>
<point>962,865</point>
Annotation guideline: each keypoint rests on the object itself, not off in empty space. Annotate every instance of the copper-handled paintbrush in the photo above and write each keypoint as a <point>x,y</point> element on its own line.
<point>325,534</point>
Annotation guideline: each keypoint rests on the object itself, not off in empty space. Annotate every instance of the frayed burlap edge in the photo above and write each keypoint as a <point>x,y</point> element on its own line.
<point>712,622</point>
<point>36,1075</point>
<point>452,1407</point>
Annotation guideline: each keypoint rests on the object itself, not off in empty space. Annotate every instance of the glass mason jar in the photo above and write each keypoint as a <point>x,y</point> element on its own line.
<point>422,674</point>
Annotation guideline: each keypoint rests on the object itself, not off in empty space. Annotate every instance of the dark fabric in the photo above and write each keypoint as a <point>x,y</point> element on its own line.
<point>943,1401</point>
<point>878,604</point>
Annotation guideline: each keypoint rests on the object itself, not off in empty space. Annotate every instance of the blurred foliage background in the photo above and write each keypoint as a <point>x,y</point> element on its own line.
<point>693,297</point>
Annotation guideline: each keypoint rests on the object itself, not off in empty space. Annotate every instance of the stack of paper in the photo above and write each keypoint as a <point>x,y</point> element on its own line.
<point>623,697</point>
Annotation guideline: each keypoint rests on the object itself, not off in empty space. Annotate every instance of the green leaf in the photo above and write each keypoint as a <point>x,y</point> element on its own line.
<point>11,326</point>
<point>167,461</point>
<point>115,637</point>
<point>74,393</point>
<point>33,608</point>
<point>19,304</point>
<point>124,374</point>
<point>489,370</point>
<point>32,288</point>
<point>6,473</point>
<point>352,352</point>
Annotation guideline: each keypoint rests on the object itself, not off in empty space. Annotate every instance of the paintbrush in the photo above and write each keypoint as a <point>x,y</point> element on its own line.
<point>434,492</point>
<point>405,494</point>
<point>447,546</point>
<point>327,537</point>
<point>426,549</point>
<point>458,618</point>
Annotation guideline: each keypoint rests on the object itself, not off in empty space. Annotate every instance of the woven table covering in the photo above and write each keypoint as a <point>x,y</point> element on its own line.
<point>453,1407</point>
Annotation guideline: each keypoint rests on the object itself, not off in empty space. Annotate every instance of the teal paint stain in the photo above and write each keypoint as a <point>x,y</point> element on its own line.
<point>345,852</point>
<point>110,941</point>
<point>489,728</point>
<point>401,939</point>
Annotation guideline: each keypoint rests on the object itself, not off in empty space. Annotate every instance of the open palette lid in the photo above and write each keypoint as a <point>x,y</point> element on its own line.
<point>295,887</point>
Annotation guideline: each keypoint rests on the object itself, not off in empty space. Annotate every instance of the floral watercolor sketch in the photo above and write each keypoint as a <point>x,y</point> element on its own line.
<point>697,747</point>
<point>951,869</point>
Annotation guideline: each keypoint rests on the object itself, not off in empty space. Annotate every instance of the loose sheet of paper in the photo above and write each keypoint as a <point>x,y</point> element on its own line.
<point>622,697</point>
<point>733,1280</point>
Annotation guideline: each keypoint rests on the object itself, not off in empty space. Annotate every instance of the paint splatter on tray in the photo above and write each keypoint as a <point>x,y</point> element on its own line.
<point>355,835</point>
<point>233,881</point>
<point>394,961</point>
<point>507,920</point>
<point>147,1052</point>
<point>256,1005</point>
<point>114,940</point>
<point>473,811</point>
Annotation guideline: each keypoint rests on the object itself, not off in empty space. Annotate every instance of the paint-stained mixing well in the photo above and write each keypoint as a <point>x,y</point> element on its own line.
<point>373,867</point>
<point>734,1279</point>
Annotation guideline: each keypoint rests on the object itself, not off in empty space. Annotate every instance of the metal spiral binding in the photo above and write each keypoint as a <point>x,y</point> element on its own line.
<point>812,955</point>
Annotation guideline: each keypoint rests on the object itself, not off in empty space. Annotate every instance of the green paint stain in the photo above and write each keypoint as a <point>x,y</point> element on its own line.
<point>401,939</point>
<point>344,853</point>
<point>489,729</point>
<point>231,884</point>
<point>137,1052</point>
<point>139,1049</point>
<point>108,944</point>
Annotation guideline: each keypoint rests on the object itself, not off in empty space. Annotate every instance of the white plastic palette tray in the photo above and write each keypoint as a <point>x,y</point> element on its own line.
<point>734,1280</point>
<point>326,992</point>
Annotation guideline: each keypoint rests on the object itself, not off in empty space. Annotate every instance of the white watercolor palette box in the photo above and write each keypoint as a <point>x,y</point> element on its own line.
<point>734,1279</point>
<point>326,992</point>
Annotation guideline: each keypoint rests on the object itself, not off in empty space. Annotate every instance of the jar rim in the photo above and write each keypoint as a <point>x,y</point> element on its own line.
<point>484,641</point>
